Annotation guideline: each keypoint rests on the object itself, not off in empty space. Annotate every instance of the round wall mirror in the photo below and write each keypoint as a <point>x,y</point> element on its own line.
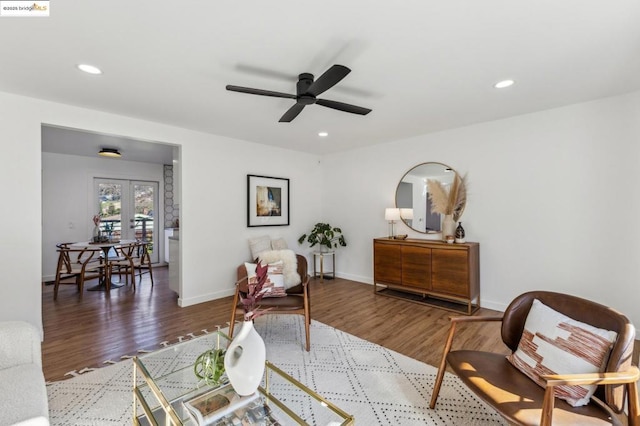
<point>412,196</point>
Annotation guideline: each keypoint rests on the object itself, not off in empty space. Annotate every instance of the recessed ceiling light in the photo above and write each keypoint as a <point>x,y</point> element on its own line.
<point>504,83</point>
<point>90,69</point>
<point>323,134</point>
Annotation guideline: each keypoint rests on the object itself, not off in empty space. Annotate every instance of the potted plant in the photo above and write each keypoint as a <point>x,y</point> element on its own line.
<point>324,235</point>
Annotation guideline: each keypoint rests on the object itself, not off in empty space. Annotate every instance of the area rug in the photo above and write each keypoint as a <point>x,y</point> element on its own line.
<point>374,384</point>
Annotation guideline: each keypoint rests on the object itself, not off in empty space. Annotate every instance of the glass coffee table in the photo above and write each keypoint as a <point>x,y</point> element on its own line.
<point>164,379</point>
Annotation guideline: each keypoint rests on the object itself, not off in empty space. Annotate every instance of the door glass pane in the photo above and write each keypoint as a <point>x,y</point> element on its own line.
<point>143,196</point>
<point>110,202</point>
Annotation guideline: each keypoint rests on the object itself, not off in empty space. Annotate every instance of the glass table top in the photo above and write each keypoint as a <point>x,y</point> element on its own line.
<point>164,379</point>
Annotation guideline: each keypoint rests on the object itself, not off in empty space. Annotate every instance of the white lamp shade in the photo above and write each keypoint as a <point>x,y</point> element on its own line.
<point>391,214</point>
<point>406,213</point>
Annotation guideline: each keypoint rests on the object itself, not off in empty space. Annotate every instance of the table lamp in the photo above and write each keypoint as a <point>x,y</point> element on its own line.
<point>391,214</point>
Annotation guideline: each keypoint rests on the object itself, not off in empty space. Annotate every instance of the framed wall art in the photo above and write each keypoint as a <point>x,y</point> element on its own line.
<point>267,201</point>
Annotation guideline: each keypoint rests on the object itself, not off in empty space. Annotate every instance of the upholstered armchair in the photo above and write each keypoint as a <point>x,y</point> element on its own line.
<point>23,394</point>
<point>517,397</point>
<point>296,300</point>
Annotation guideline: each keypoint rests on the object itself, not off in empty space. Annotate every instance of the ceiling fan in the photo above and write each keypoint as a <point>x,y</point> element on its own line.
<point>307,89</point>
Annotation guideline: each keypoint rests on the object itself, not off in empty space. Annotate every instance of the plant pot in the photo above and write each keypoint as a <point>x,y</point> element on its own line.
<point>448,227</point>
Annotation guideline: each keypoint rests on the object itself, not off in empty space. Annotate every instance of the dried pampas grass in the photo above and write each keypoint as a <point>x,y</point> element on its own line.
<point>438,196</point>
<point>460,199</point>
<point>451,203</point>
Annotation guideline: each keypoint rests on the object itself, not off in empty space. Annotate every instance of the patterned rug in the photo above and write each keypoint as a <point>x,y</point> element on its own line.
<point>376,385</point>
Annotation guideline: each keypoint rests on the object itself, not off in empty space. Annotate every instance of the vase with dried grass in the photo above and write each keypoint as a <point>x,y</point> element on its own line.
<point>450,203</point>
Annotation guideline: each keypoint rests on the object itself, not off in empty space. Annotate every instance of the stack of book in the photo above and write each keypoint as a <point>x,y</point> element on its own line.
<point>223,406</point>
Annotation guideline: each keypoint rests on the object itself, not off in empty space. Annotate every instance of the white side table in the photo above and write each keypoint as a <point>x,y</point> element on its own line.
<point>322,255</point>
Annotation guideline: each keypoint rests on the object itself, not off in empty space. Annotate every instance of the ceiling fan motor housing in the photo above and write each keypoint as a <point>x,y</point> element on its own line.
<point>304,81</point>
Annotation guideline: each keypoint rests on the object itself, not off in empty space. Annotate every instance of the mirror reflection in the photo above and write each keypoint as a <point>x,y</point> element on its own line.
<point>412,196</point>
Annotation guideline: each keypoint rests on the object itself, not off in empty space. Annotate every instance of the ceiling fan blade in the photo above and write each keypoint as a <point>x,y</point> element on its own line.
<point>329,79</point>
<point>291,113</point>
<point>343,107</point>
<point>260,92</point>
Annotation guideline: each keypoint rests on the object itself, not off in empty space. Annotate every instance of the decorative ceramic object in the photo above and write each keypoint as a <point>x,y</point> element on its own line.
<point>96,234</point>
<point>448,226</point>
<point>244,360</point>
<point>460,233</point>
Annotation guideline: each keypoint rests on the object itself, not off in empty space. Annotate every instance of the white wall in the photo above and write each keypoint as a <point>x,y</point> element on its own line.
<point>553,200</point>
<point>67,198</point>
<point>213,185</point>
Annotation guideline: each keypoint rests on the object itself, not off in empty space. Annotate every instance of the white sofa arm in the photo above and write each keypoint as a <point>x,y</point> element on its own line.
<point>19,344</point>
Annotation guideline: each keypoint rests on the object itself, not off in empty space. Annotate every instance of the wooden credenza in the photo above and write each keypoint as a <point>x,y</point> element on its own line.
<point>431,272</point>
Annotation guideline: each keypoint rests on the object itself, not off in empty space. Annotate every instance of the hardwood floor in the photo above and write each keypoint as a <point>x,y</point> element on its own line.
<point>86,332</point>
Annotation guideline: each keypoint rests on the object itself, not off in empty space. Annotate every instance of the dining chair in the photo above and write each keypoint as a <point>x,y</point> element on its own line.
<point>132,260</point>
<point>77,265</point>
<point>142,260</point>
<point>121,263</point>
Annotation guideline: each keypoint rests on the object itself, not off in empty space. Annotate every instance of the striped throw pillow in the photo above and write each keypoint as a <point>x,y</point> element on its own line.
<point>553,343</point>
<point>274,286</point>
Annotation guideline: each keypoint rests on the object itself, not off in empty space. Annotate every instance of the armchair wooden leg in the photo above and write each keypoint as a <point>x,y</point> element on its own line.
<point>443,366</point>
<point>633,404</point>
<point>547,406</point>
<point>234,308</point>
<point>307,323</point>
<point>232,323</point>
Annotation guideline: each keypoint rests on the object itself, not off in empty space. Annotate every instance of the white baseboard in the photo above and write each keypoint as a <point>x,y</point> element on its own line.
<point>358,278</point>
<point>182,302</point>
<point>496,306</point>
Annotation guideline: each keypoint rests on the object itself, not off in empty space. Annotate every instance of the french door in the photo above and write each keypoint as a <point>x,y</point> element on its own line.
<point>127,210</point>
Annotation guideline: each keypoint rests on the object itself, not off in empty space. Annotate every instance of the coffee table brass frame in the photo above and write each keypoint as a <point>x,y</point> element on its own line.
<point>173,418</point>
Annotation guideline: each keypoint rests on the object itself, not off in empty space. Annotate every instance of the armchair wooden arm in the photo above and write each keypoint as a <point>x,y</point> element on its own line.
<point>628,377</point>
<point>447,348</point>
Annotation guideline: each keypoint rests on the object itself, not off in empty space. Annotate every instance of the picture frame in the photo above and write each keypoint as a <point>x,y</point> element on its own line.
<point>267,201</point>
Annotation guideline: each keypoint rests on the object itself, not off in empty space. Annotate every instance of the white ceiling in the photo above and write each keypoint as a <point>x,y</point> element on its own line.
<point>67,141</point>
<point>420,65</point>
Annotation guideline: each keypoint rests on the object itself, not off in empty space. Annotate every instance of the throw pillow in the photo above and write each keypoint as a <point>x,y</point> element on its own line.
<point>290,270</point>
<point>279,244</point>
<point>258,245</point>
<point>274,286</point>
<point>553,343</point>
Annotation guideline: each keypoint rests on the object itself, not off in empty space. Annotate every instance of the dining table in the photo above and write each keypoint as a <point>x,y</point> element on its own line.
<point>105,246</point>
